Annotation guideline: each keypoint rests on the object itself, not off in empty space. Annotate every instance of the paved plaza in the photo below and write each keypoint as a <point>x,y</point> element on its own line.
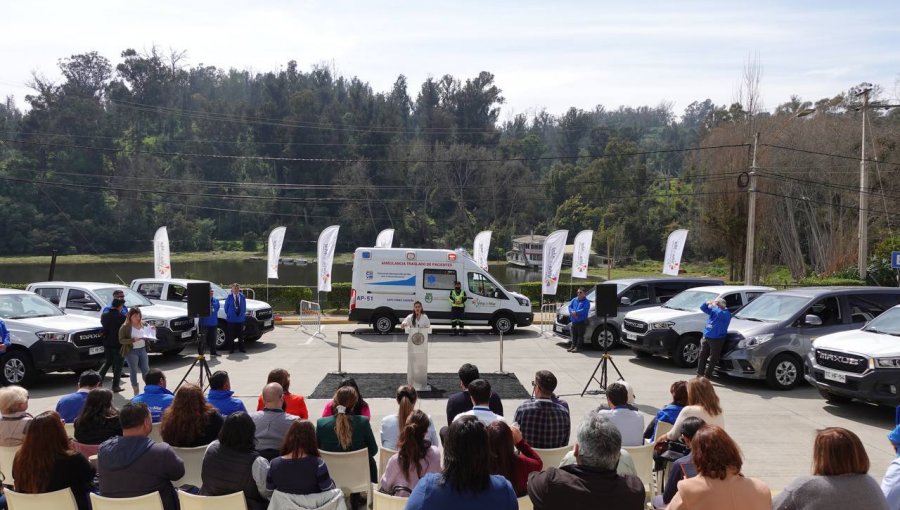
<point>774,429</point>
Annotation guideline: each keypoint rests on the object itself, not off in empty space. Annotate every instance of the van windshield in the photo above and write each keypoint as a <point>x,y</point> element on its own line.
<point>26,306</point>
<point>888,323</point>
<point>690,300</point>
<point>772,308</point>
<point>591,295</point>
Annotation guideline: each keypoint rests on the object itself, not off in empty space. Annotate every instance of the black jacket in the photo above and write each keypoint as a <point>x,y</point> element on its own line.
<point>111,320</point>
<point>96,432</point>
<point>462,402</point>
<point>583,487</point>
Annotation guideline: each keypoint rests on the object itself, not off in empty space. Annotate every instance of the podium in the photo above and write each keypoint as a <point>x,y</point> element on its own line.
<point>417,359</point>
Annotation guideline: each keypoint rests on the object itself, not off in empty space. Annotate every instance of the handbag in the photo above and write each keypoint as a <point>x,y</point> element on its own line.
<point>672,450</point>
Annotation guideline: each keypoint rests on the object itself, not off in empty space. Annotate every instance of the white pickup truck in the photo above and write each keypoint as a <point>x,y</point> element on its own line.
<point>173,292</point>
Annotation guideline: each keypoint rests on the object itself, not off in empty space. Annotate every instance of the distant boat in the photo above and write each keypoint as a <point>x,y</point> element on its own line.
<point>527,251</point>
<point>292,262</point>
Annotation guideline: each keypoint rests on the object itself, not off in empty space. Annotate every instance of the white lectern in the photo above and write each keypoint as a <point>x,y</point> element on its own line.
<point>417,359</point>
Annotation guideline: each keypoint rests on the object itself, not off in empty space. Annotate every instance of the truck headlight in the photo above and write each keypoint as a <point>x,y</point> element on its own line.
<point>753,341</point>
<point>661,325</point>
<point>52,336</point>
<point>156,323</point>
<point>885,363</point>
<point>522,301</point>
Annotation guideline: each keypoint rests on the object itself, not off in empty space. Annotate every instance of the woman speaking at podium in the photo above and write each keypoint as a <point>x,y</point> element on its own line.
<point>417,319</point>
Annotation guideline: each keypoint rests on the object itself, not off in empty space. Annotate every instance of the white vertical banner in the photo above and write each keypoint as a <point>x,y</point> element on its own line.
<point>674,249</point>
<point>162,263</point>
<point>482,248</point>
<point>325,248</point>
<point>554,248</point>
<point>385,238</point>
<point>581,253</point>
<point>276,241</point>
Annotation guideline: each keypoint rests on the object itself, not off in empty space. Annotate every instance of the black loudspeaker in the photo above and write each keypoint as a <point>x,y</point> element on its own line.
<point>198,299</point>
<point>606,302</point>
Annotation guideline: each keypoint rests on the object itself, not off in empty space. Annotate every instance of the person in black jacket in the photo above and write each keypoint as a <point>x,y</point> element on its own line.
<point>232,464</point>
<point>112,320</point>
<point>461,402</point>
<point>98,420</point>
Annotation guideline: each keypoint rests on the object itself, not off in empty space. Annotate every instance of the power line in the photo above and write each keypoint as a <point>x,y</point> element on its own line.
<point>829,154</point>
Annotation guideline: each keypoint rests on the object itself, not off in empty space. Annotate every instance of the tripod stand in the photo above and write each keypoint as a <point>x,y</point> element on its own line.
<point>204,366</point>
<point>605,360</point>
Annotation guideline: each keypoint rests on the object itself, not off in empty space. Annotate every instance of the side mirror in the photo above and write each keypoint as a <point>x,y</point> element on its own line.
<point>812,320</point>
<point>625,301</point>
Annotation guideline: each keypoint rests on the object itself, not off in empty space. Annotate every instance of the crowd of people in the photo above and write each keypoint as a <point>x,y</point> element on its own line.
<point>273,455</point>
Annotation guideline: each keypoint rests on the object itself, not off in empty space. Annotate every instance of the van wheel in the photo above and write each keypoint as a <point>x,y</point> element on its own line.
<point>834,399</point>
<point>783,373</point>
<point>504,324</point>
<point>383,323</point>
<point>604,338</point>
<point>16,368</point>
<point>220,337</point>
<point>687,352</point>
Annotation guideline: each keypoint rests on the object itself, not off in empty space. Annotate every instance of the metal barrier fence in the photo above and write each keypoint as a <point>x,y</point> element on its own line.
<point>548,317</point>
<point>310,316</point>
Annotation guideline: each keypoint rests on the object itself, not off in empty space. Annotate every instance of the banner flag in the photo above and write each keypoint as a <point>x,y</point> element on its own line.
<point>554,248</point>
<point>161,257</point>
<point>581,253</point>
<point>482,248</point>
<point>674,248</point>
<point>325,248</point>
<point>276,240</point>
<point>385,238</point>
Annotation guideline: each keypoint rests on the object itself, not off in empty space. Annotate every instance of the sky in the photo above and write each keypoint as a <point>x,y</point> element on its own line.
<point>549,55</point>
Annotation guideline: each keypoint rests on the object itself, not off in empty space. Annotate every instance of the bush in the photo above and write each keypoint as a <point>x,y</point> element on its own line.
<point>20,286</point>
<point>564,291</point>
<point>282,298</point>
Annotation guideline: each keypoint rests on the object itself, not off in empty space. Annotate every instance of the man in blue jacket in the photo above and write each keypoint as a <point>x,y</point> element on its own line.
<point>579,308</point>
<point>4,337</point>
<point>117,294</point>
<point>235,315</point>
<point>69,406</point>
<point>220,395</point>
<point>210,324</point>
<point>713,336</point>
<point>155,395</point>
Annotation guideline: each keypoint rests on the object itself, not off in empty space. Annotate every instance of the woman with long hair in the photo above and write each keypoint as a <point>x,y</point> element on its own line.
<point>293,403</point>
<point>719,484</point>
<point>466,480</point>
<point>505,461</point>
<point>46,462</point>
<point>232,464</point>
<point>703,403</point>
<point>190,421</point>
<point>415,457</point>
<point>98,419</point>
<point>299,469</point>
<point>391,424</point>
<point>417,319</point>
<point>839,478</point>
<point>360,409</point>
<point>15,418</point>
<point>132,338</point>
<point>345,432</point>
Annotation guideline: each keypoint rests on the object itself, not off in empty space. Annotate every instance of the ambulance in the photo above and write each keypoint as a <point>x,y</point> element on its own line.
<point>387,281</point>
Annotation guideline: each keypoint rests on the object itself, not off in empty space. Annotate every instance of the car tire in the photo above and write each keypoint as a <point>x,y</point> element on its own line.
<point>834,399</point>
<point>604,338</point>
<point>687,351</point>
<point>503,324</point>
<point>17,368</point>
<point>784,372</point>
<point>383,323</point>
<point>220,337</point>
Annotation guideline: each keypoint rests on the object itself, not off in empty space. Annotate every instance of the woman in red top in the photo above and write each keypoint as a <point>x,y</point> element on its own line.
<point>505,461</point>
<point>293,404</point>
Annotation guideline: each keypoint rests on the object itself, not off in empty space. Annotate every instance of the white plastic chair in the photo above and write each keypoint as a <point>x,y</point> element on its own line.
<point>525,503</point>
<point>155,434</point>
<point>384,455</point>
<point>193,464</point>
<point>350,470</point>
<point>382,501</point>
<point>551,457</point>
<point>70,429</point>
<point>234,501</point>
<point>56,500</point>
<point>643,464</point>
<point>150,501</point>
<point>7,455</point>
<point>662,427</point>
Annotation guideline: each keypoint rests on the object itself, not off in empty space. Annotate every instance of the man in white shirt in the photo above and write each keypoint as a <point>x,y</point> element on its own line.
<point>629,421</point>
<point>480,393</point>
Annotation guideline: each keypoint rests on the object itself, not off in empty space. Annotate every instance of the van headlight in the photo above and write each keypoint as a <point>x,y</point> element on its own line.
<point>522,301</point>
<point>753,341</point>
<point>884,363</point>
<point>156,323</point>
<point>661,325</point>
<point>52,336</point>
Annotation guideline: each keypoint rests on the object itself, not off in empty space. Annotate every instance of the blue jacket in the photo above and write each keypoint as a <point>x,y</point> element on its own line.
<point>4,333</point>
<point>158,399</point>
<point>108,308</point>
<point>717,322</point>
<point>213,318</point>
<point>69,406</point>
<point>235,312</point>
<point>669,413</point>
<point>224,402</point>
<point>581,308</point>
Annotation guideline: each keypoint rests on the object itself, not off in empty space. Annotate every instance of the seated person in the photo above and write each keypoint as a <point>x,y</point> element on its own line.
<point>629,422</point>
<point>360,409</point>
<point>681,468</point>
<point>190,421</point>
<point>461,402</point>
<point>515,467</point>
<point>299,469</point>
<point>480,394</point>
<point>544,420</point>
<point>293,404</point>
<point>272,423</point>
<point>391,424</point>
<point>155,394</point>
<point>231,463</point>
<point>347,432</point>
<point>220,395</point>
<point>14,409</point>
<point>415,457</point>
<point>669,413</point>
<point>98,420</point>
<point>70,405</point>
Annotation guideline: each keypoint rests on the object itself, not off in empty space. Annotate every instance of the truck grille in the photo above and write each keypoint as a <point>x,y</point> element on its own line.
<point>841,361</point>
<point>88,338</point>
<point>634,326</point>
<point>264,314</point>
<point>182,324</point>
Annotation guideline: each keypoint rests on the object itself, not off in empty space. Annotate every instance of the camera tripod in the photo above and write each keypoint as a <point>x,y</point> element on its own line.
<point>202,363</point>
<point>605,360</point>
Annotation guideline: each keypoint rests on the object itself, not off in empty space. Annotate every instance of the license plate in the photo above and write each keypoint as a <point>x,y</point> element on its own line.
<point>835,376</point>
<point>557,329</point>
<point>95,350</point>
<point>187,334</point>
<point>631,336</point>
<point>267,323</point>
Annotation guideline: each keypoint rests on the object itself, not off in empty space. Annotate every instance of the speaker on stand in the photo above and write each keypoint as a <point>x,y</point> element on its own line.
<point>606,305</point>
<point>198,306</point>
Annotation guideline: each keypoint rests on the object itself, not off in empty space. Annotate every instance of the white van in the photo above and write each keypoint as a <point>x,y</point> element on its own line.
<point>387,281</point>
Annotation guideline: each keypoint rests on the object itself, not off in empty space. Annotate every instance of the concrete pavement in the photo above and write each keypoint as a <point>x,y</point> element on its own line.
<point>774,429</point>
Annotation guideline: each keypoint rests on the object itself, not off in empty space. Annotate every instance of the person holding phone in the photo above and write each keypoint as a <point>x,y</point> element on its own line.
<point>417,319</point>
<point>133,337</point>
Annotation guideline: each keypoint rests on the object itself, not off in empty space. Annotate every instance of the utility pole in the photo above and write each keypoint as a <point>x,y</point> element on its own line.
<point>751,217</point>
<point>863,190</point>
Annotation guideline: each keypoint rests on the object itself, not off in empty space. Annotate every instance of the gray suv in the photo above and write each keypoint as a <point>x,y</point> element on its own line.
<point>770,337</point>
<point>633,294</point>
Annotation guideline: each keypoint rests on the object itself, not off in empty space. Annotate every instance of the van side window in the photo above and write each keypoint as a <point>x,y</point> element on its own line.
<point>866,307</point>
<point>479,284</point>
<point>51,294</point>
<point>666,290</point>
<point>638,295</point>
<point>828,310</point>
<point>439,279</point>
<point>733,301</point>
<point>753,295</point>
<point>76,299</point>
<point>150,290</point>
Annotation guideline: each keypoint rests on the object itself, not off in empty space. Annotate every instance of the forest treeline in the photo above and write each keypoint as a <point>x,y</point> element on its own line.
<point>99,160</point>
